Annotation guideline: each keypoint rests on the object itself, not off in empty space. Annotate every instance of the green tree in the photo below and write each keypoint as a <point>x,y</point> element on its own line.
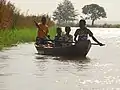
<point>65,12</point>
<point>94,12</point>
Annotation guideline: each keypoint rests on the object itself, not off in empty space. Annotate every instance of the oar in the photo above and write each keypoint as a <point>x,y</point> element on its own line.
<point>73,42</point>
<point>37,25</point>
<point>97,44</point>
<point>68,42</point>
<point>48,36</point>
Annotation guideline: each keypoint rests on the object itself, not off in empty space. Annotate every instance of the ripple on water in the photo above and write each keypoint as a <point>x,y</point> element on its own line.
<point>22,69</point>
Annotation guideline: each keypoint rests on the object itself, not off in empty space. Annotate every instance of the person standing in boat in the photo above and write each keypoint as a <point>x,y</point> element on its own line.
<point>58,37</point>
<point>83,33</point>
<point>67,39</point>
<point>42,31</point>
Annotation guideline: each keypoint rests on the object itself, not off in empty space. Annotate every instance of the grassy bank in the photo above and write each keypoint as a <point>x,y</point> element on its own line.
<point>11,37</point>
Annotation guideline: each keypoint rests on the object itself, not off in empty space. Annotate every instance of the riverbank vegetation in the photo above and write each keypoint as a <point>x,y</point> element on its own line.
<point>106,26</point>
<point>17,27</point>
<point>93,26</point>
<point>15,36</point>
<point>11,17</point>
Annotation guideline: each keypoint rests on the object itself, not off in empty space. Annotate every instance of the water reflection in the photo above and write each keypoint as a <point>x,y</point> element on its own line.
<point>40,57</point>
<point>60,65</point>
<point>73,59</point>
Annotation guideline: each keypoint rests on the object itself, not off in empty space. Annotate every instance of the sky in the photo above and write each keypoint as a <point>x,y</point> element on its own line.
<point>48,6</point>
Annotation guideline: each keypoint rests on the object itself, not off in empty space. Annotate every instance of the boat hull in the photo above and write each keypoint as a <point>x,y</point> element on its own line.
<point>80,49</point>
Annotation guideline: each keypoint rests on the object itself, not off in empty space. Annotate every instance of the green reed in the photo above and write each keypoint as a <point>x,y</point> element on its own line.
<point>13,37</point>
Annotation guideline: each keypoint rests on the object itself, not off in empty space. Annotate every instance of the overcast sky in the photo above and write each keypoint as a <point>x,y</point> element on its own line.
<point>48,6</point>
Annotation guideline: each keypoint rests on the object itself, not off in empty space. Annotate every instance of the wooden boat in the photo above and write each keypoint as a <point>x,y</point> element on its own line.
<point>79,49</point>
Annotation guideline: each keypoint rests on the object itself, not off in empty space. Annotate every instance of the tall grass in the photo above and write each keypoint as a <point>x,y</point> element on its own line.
<point>12,17</point>
<point>10,37</point>
<point>16,36</point>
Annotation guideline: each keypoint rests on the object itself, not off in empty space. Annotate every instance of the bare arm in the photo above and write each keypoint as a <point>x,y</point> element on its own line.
<point>39,28</point>
<point>75,38</point>
<point>75,35</point>
<point>91,35</point>
<point>96,41</point>
<point>36,24</point>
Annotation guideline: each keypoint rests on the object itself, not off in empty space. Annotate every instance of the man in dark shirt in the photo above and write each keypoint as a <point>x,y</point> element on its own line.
<point>83,33</point>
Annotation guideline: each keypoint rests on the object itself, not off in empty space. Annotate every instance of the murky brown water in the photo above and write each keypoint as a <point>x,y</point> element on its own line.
<point>22,69</point>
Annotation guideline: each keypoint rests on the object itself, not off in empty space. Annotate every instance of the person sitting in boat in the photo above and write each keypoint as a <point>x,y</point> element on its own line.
<point>83,33</point>
<point>58,37</point>
<point>67,39</point>
<point>42,31</point>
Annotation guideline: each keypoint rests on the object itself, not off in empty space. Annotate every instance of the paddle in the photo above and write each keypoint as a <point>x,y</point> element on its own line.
<point>48,36</point>
<point>38,26</point>
<point>74,42</point>
<point>97,44</point>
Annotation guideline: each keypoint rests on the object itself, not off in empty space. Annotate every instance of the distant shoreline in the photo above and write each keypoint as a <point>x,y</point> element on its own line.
<point>105,26</point>
<point>96,26</point>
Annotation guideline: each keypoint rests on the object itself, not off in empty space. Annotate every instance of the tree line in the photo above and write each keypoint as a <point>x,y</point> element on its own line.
<point>65,14</point>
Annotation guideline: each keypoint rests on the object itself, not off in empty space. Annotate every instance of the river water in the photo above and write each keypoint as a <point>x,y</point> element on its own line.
<point>22,69</point>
